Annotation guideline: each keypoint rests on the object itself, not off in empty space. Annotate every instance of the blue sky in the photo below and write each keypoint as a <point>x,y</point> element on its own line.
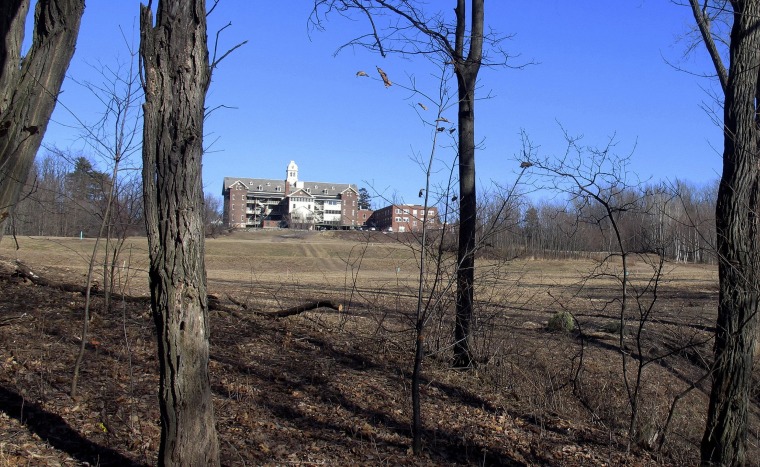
<point>601,68</point>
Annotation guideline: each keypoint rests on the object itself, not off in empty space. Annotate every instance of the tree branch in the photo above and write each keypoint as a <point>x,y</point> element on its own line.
<point>703,21</point>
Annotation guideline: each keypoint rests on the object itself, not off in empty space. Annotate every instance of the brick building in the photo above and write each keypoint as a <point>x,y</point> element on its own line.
<point>404,218</point>
<point>268,203</point>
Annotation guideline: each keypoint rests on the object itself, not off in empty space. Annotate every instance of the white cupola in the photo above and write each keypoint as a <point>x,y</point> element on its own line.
<point>292,172</point>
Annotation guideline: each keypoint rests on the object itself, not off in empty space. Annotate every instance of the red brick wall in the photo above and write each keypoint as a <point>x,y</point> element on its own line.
<point>349,208</point>
<point>393,216</point>
<point>235,207</point>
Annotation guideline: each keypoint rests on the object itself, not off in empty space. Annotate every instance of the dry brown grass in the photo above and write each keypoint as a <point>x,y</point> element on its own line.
<point>526,372</point>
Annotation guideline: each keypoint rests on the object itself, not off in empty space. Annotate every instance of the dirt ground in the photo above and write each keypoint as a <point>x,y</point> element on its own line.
<point>333,388</point>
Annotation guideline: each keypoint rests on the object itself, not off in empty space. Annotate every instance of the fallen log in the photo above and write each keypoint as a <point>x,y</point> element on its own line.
<point>22,270</point>
<point>237,302</point>
<point>214,302</point>
<point>26,272</point>
<point>300,309</point>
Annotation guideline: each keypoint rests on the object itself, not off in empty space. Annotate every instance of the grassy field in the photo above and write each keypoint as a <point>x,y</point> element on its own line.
<point>322,259</point>
<point>316,258</point>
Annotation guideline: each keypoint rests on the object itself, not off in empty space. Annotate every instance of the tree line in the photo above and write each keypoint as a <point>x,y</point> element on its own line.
<point>65,195</point>
<point>675,220</point>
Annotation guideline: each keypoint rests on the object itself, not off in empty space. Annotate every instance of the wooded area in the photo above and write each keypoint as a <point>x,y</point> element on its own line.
<point>629,231</point>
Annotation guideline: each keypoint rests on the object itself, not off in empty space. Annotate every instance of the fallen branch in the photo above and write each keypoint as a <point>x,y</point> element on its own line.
<point>300,309</point>
<point>242,305</point>
<point>24,271</point>
<point>215,304</point>
<point>8,320</point>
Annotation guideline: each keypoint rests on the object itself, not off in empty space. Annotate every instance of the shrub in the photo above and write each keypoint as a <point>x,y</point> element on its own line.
<point>613,327</point>
<point>562,321</point>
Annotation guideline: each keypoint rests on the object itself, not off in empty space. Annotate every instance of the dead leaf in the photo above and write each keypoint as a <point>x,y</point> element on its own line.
<point>386,81</point>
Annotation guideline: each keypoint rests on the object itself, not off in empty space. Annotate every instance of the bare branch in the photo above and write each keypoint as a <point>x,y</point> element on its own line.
<point>703,21</point>
<point>214,61</point>
<point>213,7</point>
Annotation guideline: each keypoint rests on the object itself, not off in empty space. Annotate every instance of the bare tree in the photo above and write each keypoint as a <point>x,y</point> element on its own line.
<point>437,273</point>
<point>725,437</point>
<point>596,183</point>
<point>29,87</point>
<point>407,29</point>
<point>119,94</point>
<point>177,74</point>
<point>212,215</point>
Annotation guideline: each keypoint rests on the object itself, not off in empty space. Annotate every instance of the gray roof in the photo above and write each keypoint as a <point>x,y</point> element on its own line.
<point>316,188</point>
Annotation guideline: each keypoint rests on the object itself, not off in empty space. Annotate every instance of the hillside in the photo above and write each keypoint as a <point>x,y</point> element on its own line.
<point>329,388</point>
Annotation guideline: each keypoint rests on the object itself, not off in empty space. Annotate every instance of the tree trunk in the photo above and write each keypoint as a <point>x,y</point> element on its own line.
<point>175,63</point>
<point>466,70</point>
<point>725,438</point>
<point>28,92</point>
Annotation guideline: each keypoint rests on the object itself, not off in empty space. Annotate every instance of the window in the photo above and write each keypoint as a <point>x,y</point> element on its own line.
<point>406,211</point>
<point>268,183</point>
<point>414,223</point>
<point>406,219</point>
<point>278,188</point>
<point>398,219</point>
<point>414,212</point>
<point>398,211</point>
<point>430,213</point>
<point>259,187</point>
<point>308,190</point>
<point>325,191</point>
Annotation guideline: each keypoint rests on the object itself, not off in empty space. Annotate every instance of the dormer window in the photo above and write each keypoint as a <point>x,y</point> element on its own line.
<point>259,187</point>
<point>278,188</point>
<point>308,190</point>
<point>325,191</point>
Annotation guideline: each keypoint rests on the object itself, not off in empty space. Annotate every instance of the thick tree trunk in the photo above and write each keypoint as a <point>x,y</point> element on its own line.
<point>466,70</point>
<point>725,438</point>
<point>28,92</point>
<point>175,62</point>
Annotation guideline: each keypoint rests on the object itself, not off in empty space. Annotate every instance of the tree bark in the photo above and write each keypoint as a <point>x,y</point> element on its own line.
<point>28,92</point>
<point>466,70</point>
<point>725,438</point>
<point>174,55</point>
